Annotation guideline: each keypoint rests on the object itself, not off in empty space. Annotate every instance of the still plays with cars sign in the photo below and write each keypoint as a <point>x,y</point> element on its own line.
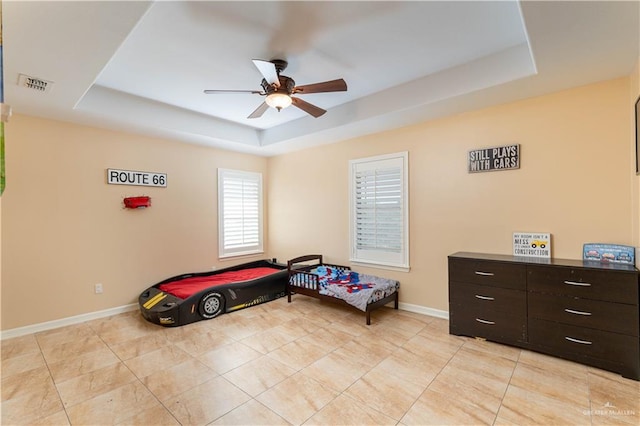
<point>496,158</point>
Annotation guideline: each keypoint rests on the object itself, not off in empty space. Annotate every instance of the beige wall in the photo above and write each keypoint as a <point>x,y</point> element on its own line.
<point>635,94</point>
<point>64,229</point>
<point>574,182</point>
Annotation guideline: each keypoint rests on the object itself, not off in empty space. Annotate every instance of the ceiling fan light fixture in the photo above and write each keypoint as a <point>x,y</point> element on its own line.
<point>278,100</point>
<point>278,89</point>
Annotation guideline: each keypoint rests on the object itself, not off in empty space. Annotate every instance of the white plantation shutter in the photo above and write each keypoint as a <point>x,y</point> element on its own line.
<point>239,212</point>
<point>379,209</point>
<point>379,214</point>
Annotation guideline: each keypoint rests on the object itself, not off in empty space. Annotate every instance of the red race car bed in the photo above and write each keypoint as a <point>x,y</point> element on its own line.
<point>187,298</point>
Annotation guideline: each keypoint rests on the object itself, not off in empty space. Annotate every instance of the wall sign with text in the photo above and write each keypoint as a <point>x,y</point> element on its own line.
<point>532,244</point>
<point>497,158</point>
<point>132,177</point>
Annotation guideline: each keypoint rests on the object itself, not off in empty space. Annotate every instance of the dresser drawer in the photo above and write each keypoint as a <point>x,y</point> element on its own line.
<point>612,286</point>
<point>595,314</point>
<point>566,340</point>
<point>484,299</point>
<point>477,321</point>
<point>490,273</point>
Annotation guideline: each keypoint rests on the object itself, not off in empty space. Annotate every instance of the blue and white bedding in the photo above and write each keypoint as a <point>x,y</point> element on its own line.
<point>356,289</point>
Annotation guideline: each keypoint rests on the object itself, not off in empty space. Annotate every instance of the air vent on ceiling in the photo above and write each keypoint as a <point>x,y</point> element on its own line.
<point>34,83</point>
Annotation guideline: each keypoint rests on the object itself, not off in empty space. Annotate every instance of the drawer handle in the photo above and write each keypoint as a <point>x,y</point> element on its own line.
<point>485,274</point>
<point>484,297</point>
<point>582,342</point>
<point>571,311</point>
<point>578,284</point>
<point>485,321</point>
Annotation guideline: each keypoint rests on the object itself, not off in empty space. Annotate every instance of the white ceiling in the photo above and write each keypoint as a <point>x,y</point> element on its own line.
<point>142,66</point>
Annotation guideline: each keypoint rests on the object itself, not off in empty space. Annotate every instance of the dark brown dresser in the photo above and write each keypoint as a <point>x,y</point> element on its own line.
<point>583,311</point>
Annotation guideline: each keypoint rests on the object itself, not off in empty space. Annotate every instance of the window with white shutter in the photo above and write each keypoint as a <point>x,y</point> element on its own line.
<point>379,210</point>
<point>239,212</point>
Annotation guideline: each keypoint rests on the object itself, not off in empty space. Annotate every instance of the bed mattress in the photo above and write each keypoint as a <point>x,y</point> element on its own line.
<point>356,289</point>
<point>186,287</point>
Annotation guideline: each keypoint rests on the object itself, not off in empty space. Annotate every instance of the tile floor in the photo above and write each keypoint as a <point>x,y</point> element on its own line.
<point>299,363</point>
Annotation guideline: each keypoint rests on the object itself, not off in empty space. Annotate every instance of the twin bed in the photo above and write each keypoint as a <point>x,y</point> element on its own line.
<point>310,276</point>
<point>187,298</point>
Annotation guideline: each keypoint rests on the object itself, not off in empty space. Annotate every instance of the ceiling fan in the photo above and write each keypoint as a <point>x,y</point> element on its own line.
<point>279,88</point>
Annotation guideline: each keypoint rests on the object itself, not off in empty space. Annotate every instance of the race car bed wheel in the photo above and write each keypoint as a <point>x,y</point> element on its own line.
<point>211,305</point>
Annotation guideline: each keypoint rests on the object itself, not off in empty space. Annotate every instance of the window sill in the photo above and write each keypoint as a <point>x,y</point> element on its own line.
<point>381,266</point>
<point>241,254</point>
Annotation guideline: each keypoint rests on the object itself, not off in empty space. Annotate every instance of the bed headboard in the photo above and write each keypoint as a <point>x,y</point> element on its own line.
<point>304,259</point>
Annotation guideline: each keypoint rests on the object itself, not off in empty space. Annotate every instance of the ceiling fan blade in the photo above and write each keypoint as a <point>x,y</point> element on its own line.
<point>307,107</point>
<point>210,91</point>
<point>268,71</point>
<point>259,111</point>
<point>338,85</point>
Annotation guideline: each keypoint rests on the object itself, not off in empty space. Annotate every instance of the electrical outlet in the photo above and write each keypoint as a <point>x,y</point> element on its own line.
<point>98,288</point>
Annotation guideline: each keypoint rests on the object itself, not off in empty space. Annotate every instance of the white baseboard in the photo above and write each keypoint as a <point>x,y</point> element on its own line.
<point>418,309</point>
<point>49,325</point>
